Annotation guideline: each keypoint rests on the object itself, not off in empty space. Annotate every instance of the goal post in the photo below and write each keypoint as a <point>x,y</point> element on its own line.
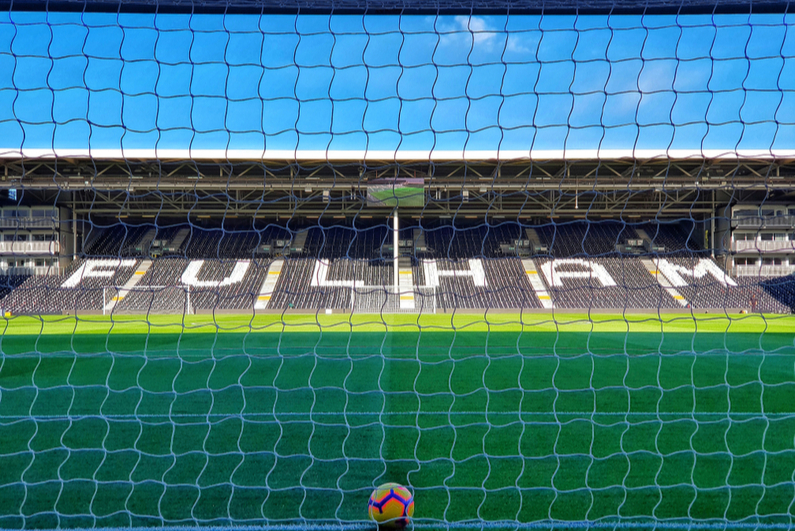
<point>112,297</point>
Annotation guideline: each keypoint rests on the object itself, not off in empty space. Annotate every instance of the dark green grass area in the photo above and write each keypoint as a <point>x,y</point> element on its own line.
<point>147,430</point>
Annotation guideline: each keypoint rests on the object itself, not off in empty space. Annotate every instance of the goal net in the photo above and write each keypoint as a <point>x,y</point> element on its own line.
<point>166,299</point>
<point>533,261</point>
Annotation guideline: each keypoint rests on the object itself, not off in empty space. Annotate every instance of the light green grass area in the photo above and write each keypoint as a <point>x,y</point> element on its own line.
<point>537,418</point>
<point>461,321</point>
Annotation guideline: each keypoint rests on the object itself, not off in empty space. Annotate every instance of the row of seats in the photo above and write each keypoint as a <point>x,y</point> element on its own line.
<point>161,289</point>
<point>563,239</point>
<point>780,288</point>
<point>154,292</point>
<point>295,290</point>
<point>634,287</point>
<point>123,240</point>
<point>678,238</point>
<point>506,286</point>
<point>357,255</point>
<point>708,292</point>
<point>456,243</point>
<point>114,241</point>
<point>45,294</point>
<point>584,239</point>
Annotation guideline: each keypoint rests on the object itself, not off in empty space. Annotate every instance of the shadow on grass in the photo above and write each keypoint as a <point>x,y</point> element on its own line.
<point>403,344</point>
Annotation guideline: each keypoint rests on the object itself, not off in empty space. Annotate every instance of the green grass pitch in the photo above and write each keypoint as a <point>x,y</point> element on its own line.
<point>533,419</point>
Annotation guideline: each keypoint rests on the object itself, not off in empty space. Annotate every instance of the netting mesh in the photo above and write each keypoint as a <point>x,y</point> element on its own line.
<point>534,262</point>
<point>167,83</point>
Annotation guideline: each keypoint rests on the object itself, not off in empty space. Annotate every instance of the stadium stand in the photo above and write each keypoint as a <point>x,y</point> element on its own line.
<point>744,292</point>
<point>116,242</point>
<point>675,238</point>
<point>782,289</point>
<point>52,295</point>
<point>9,283</point>
<point>630,285</point>
<point>176,269</point>
<point>579,239</point>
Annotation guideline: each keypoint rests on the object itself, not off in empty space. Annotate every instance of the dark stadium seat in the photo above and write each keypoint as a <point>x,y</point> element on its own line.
<point>353,255</point>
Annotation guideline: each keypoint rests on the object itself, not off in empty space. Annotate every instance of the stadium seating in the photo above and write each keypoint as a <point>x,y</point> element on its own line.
<point>151,294</point>
<point>634,287</point>
<point>708,292</point>
<point>358,275</point>
<point>781,288</point>
<point>45,294</point>
<point>9,283</point>
<point>578,239</point>
<point>506,287</point>
<point>116,241</point>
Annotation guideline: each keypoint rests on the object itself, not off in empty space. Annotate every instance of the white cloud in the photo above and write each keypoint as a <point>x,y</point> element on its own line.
<point>656,76</point>
<point>521,43</point>
<point>469,32</point>
<point>478,28</point>
<point>479,33</point>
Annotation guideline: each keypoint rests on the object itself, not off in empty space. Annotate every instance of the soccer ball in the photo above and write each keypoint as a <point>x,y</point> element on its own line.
<point>391,505</point>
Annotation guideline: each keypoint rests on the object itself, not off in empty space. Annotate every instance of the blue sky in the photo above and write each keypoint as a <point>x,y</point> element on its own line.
<point>387,82</point>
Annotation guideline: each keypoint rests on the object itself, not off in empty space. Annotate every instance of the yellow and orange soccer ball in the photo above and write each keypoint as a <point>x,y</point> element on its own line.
<point>391,506</point>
